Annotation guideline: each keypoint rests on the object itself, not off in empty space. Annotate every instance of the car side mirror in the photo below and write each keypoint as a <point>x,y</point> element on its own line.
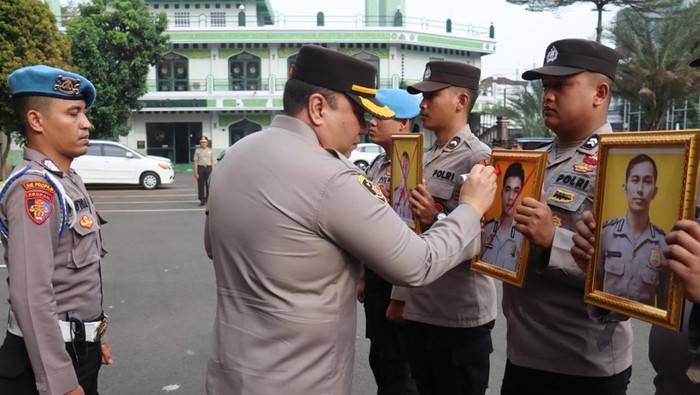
<point>129,155</point>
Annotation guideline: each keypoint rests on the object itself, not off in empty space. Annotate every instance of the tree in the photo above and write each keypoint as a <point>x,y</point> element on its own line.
<point>526,111</point>
<point>640,5</point>
<point>656,51</point>
<point>113,47</point>
<point>28,36</point>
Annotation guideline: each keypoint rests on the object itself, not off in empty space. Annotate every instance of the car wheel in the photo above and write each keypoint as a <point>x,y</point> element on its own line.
<point>362,165</point>
<point>149,180</point>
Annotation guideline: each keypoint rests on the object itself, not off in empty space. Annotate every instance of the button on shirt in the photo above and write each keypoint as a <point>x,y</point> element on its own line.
<point>634,267</point>
<point>548,324</point>
<point>501,247</point>
<point>47,275</point>
<point>461,298</point>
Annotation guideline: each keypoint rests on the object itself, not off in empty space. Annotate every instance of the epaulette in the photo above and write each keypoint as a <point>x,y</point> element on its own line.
<point>655,228</point>
<point>613,221</point>
<point>63,198</point>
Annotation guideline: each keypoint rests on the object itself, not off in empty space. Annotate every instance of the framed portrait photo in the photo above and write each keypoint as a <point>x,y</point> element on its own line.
<point>504,250</point>
<point>646,182</point>
<point>406,174</point>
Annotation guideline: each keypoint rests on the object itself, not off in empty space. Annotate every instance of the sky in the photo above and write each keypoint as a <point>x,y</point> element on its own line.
<point>521,36</point>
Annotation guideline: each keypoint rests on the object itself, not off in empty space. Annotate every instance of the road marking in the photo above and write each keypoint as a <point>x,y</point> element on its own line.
<point>151,211</point>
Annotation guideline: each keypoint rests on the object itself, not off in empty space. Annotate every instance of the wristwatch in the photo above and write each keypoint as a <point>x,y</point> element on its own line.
<point>440,215</point>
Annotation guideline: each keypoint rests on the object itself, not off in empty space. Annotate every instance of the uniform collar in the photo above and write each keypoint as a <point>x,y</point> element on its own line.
<point>650,233</point>
<point>43,161</point>
<point>589,146</point>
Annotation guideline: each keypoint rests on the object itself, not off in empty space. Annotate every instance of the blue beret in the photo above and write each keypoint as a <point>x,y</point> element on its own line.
<point>41,80</point>
<point>400,102</point>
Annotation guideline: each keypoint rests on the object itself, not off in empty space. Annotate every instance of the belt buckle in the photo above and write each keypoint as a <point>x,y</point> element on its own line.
<point>102,328</point>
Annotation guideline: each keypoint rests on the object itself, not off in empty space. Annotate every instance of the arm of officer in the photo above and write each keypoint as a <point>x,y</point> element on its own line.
<point>30,253</point>
<point>399,255</point>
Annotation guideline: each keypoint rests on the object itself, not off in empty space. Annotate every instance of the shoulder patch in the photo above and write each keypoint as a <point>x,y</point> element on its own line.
<point>38,200</point>
<point>372,188</point>
<point>613,222</point>
<point>592,142</point>
<point>452,144</point>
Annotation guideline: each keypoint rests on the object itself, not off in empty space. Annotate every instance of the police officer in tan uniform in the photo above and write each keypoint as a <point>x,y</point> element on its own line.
<point>631,258</point>
<point>553,345</point>
<point>387,352</point>
<point>203,165</point>
<point>449,322</point>
<point>288,234</point>
<point>501,244</point>
<point>53,246</point>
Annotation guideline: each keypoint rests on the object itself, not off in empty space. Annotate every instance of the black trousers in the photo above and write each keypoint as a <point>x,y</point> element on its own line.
<point>17,376</point>
<point>387,351</point>
<point>449,361</point>
<point>203,182</point>
<point>519,380</point>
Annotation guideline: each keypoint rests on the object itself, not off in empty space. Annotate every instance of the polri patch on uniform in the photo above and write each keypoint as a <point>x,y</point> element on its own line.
<point>86,221</point>
<point>592,142</point>
<point>372,188</point>
<point>562,196</point>
<point>583,168</point>
<point>39,205</point>
<point>558,221</point>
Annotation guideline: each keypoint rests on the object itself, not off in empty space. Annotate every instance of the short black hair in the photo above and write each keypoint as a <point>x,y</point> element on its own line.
<point>22,104</point>
<point>641,158</point>
<point>515,169</point>
<point>296,96</point>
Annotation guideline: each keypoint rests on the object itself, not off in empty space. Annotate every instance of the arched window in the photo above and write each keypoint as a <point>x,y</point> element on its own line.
<point>244,72</point>
<point>173,73</point>
<point>240,129</point>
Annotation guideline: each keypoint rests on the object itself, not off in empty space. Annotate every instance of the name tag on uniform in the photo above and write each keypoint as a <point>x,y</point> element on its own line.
<point>613,254</point>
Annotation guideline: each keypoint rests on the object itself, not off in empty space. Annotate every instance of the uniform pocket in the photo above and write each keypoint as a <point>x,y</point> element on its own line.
<point>650,276</point>
<point>86,242</point>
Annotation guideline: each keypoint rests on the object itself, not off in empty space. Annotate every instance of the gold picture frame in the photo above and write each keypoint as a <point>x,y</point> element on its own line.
<point>628,274</point>
<point>504,250</point>
<point>406,174</point>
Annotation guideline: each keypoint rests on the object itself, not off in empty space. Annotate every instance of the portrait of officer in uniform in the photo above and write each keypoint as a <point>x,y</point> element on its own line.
<point>403,191</point>
<point>502,244</point>
<point>630,259</point>
<point>51,233</point>
<point>288,237</point>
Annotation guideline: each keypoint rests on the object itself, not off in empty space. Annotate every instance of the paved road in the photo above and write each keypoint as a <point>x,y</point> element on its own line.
<point>159,291</point>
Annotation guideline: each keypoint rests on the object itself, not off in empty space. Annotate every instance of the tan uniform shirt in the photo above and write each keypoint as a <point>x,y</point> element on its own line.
<point>461,298</point>
<point>548,324</point>
<point>286,237</point>
<point>501,247</point>
<point>47,275</point>
<point>634,268</point>
<point>203,156</point>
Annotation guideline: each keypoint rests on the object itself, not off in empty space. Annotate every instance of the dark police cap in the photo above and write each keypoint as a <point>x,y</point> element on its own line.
<point>41,80</point>
<point>441,74</point>
<point>572,56</point>
<point>341,73</point>
<point>695,63</point>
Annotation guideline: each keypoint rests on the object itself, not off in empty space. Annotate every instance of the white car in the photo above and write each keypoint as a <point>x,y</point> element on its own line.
<point>107,162</point>
<point>364,154</point>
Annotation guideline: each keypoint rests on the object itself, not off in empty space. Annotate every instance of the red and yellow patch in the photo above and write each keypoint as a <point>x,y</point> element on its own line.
<point>583,168</point>
<point>591,159</point>
<point>39,205</point>
<point>38,185</point>
<point>558,221</point>
<point>86,221</point>
<point>372,188</point>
